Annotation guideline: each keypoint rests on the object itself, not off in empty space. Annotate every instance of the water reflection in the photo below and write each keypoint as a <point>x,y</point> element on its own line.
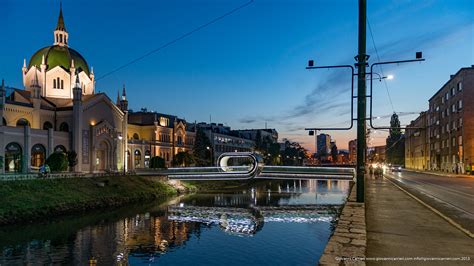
<point>292,212</point>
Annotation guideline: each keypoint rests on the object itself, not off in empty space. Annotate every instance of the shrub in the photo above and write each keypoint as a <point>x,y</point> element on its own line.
<point>57,162</point>
<point>157,162</point>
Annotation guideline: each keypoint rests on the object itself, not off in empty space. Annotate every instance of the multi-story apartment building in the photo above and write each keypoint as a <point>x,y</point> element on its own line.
<point>417,148</point>
<point>223,139</point>
<point>353,151</point>
<point>323,142</point>
<point>252,134</point>
<point>153,134</point>
<point>451,123</point>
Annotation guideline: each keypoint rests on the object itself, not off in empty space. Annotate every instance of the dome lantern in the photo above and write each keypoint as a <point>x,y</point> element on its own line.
<point>60,33</point>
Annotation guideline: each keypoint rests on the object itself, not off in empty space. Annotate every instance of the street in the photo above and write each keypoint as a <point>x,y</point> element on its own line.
<point>452,196</point>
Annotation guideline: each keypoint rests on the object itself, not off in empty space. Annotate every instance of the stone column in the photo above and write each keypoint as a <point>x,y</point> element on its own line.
<point>26,160</point>
<point>50,148</point>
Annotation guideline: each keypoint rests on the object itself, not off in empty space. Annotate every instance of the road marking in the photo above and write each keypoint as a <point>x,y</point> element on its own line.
<point>449,220</point>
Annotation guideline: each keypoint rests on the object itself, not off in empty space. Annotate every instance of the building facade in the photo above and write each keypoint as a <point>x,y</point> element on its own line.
<point>323,143</point>
<point>153,134</point>
<point>451,123</point>
<point>353,151</point>
<point>223,139</point>
<point>58,110</point>
<point>417,147</point>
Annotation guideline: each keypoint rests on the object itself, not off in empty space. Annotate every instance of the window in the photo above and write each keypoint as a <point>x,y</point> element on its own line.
<point>459,85</point>
<point>54,83</point>
<point>64,127</point>
<point>60,148</point>
<point>447,128</point>
<point>452,91</point>
<point>138,158</point>
<point>22,122</point>
<point>460,122</point>
<point>460,140</point>
<point>135,136</point>
<point>38,154</point>
<point>164,122</point>
<point>60,38</point>
<point>460,104</point>
<point>453,141</point>
<point>453,108</point>
<point>446,96</point>
<point>437,108</point>
<point>13,157</point>
<point>62,84</point>
<point>47,125</point>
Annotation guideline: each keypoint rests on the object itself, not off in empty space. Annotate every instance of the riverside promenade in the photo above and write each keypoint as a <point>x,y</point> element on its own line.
<point>403,231</point>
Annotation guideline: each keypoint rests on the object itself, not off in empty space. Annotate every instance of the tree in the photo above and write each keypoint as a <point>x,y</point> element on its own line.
<point>57,162</point>
<point>202,149</point>
<point>182,158</point>
<point>293,154</point>
<point>72,159</point>
<point>157,162</point>
<point>395,144</point>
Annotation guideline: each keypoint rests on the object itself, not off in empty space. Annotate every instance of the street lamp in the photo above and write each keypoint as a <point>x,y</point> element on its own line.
<point>210,153</point>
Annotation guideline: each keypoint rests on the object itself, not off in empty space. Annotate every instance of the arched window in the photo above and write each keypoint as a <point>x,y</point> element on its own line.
<point>22,122</point>
<point>54,83</point>
<point>135,136</point>
<point>13,157</point>
<point>64,127</point>
<point>47,125</point>
<point>62,84</point>
<point>60,148</point>
<point>138,158</point>
<point>38,154</point>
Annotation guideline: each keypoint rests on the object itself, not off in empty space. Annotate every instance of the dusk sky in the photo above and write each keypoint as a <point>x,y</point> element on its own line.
<point>248,69</point>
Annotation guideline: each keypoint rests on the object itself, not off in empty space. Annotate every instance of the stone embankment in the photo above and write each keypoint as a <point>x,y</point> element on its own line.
<point>347,245</point>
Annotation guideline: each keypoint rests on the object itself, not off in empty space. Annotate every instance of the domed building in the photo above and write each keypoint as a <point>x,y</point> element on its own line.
<point>59,110</point>
<point>57,66</point>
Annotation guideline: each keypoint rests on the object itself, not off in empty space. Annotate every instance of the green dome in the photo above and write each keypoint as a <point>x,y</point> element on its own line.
<point>56,55</point>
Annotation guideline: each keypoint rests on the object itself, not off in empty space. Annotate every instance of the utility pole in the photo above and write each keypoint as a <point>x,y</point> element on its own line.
<point>361,101</point>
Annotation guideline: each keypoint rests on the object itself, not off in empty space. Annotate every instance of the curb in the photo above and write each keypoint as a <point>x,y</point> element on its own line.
<point>348,244</point>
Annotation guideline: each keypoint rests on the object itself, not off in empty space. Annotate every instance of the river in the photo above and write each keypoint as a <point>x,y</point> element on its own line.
<point>271,223</point>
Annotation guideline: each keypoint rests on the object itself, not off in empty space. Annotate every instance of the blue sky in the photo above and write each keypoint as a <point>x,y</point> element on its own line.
<point>249,68</point>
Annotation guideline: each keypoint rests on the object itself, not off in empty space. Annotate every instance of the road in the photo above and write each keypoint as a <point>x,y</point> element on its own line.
<point>452,196</point>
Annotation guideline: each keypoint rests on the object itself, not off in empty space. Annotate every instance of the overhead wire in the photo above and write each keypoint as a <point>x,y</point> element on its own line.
<point>177,39</point>
<point>381,69</point>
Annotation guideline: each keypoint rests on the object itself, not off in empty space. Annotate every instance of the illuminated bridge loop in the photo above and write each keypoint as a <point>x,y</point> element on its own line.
<point>254,168</point>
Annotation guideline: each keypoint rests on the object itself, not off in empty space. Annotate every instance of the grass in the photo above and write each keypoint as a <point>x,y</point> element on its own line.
<point>23,201</point>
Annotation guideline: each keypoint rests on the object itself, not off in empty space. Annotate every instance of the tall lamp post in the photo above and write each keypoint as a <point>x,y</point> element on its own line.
<point>361,65</point>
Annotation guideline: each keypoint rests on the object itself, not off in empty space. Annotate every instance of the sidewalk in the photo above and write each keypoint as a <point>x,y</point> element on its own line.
<point>398,226</point>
